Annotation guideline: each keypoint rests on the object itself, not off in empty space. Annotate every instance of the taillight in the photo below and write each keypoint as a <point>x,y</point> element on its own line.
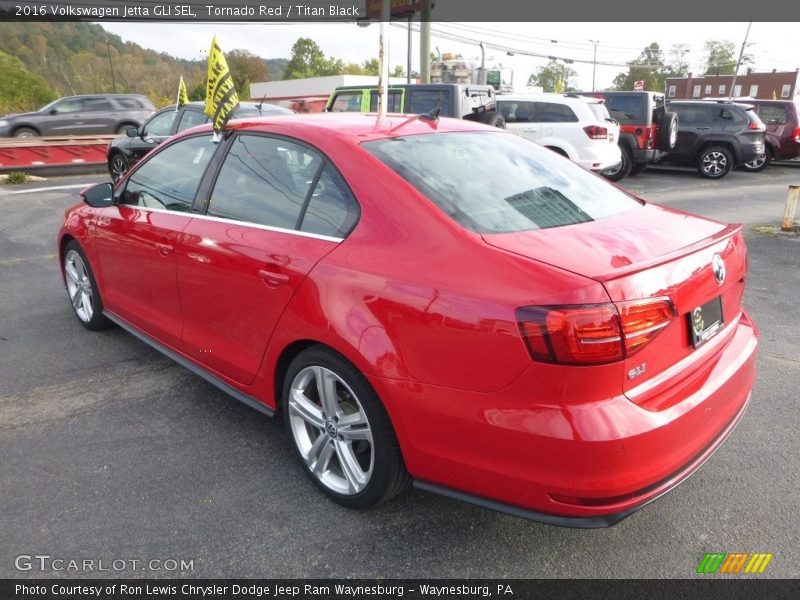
<point>796,134</point>
<point>595,132</point>
<point>594,333</point>
<point>642,320</point>
<point>756,126</point>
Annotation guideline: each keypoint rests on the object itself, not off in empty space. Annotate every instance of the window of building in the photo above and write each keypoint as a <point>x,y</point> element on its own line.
<point>707,91</point>
<point>671,91</point>
<point>737,90</point>
<point>696,92</point>
<point>722,90</point>
<point>754,91</point>
<point>786,90</point>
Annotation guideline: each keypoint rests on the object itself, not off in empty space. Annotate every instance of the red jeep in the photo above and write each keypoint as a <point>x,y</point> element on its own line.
<point>647,130</point>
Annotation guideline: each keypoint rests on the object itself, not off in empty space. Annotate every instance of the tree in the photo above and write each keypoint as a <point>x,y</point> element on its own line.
<point>246,68</point>
<point>649,67</point>
<point>21,90</point>
<point>308,60</point>
<point>554,77</point>
<point>720,59</point>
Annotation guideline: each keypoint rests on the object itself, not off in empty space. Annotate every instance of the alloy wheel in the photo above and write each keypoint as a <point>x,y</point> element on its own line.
<point>715,164</point>
<point>79,286</point>
<point>119,167</point>
<point>331,430</point>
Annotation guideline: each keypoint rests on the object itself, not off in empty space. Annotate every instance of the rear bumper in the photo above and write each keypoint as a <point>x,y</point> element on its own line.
<point>642,156</point>
<point>598,156</point>
<point>586,464</point>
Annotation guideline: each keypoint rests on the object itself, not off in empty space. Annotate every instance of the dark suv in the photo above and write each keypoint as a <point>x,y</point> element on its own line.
<point>80,115</point>
<point>782,138</point>
<point>647,129</point>
<point>716,135</point>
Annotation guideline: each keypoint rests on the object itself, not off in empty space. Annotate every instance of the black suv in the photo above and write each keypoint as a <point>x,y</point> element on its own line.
<point>647,130</point>
<point>716,135</point>
<point>80,115</point>
<point>124,152</point>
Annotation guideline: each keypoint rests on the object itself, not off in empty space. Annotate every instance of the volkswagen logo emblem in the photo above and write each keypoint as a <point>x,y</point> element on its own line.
<point>330,429</point>
<point>718,266</point>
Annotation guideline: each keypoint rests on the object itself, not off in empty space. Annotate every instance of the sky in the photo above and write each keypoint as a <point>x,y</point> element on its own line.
<point>773,45</point>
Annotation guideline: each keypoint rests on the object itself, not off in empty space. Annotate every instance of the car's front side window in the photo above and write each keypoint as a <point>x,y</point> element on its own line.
<point>170,178</point>
<point>161,124</point>
<point>191,118</point>
<point>69,106</point>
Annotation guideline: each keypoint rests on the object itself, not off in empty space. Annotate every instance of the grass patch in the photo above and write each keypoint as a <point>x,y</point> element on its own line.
<point>16,177</point>
<point>767,230</point>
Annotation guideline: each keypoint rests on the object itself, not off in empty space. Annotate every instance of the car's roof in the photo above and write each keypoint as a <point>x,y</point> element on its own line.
<point>355,127</point>
<point>548,98</point>
<point>720,102</point>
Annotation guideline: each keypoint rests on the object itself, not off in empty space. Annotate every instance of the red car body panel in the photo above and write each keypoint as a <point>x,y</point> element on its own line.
<point>427,311</point>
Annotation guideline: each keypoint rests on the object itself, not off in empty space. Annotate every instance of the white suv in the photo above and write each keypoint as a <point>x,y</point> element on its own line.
<point>579,128</point>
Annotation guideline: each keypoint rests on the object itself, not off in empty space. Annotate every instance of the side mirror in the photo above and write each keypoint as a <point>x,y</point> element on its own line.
<point>98,196</point>
<point>132,132</point>
<point>53,111</point>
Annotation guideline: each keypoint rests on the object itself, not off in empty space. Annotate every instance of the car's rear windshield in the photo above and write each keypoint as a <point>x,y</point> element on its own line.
<point>599,110</point>
<point>499,183</point>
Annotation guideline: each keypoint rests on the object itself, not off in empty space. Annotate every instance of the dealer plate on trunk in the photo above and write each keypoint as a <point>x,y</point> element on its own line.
<point>705,321</point>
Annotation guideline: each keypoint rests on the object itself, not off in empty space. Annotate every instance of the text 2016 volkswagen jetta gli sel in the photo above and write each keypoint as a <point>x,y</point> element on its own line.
<point>430,301</point>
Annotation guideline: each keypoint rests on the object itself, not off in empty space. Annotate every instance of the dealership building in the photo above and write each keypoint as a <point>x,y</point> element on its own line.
<point>780,85</point>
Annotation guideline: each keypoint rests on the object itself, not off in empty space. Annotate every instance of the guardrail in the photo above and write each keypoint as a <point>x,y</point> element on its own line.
<point>67,154</point>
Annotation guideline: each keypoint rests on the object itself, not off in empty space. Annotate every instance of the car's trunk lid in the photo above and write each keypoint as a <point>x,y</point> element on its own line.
<point>647,253</point>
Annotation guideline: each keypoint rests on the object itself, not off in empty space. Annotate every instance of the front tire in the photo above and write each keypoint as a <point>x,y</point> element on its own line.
<point>340,430</point>
<point>25,132</point>
<point>82,288</point>
<point>117,166</point>
<point>714,162</point>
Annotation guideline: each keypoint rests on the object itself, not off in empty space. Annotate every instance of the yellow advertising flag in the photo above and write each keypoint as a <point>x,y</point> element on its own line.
<point>183,97</point>
<point>221,96</point>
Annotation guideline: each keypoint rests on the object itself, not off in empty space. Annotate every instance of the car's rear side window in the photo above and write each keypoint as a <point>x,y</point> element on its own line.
<point>499,183</point>
<point>268,181</point>
<point>420,102</point>
<point>627,109</point>
<point>191,118</point>
<point>395,104</point>
<point>773,113</point>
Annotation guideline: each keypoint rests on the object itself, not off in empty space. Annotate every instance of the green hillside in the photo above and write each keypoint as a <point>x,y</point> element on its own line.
<point>49,60</point>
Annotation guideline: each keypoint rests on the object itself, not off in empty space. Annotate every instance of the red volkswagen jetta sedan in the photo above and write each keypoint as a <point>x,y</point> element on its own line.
<point>432,302</point>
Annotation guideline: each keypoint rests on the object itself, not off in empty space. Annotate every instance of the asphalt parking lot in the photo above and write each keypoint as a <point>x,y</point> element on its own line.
<point>110,451</point>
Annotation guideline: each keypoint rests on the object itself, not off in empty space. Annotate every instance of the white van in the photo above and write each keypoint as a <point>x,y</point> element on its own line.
<point>577,127</point>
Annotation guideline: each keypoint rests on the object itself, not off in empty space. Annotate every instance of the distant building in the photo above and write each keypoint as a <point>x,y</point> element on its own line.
<point>781,85</point>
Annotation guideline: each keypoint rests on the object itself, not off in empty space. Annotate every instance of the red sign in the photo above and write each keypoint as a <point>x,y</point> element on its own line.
<point>396,7</point>
<point>638,86</point>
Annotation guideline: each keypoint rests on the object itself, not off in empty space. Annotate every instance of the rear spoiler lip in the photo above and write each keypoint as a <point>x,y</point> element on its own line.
<point>722,234</point>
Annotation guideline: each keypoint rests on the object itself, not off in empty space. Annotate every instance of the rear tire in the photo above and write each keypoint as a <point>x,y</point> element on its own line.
<point>637,168</point>
<point>714,162</point>
<point>622,170</point>
<point>341,431</point>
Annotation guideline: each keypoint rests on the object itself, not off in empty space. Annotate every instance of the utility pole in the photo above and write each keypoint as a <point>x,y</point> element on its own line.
<point>425,42</point>
<point>594,60</point>
<point>383,60</point>
<point>739,62</point>
<point>111,65</point>
<point>408,52</point>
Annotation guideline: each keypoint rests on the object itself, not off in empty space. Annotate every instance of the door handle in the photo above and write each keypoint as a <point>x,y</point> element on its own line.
<point>164,249</point>
<point>273,279</point>
<point>703,128</point>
